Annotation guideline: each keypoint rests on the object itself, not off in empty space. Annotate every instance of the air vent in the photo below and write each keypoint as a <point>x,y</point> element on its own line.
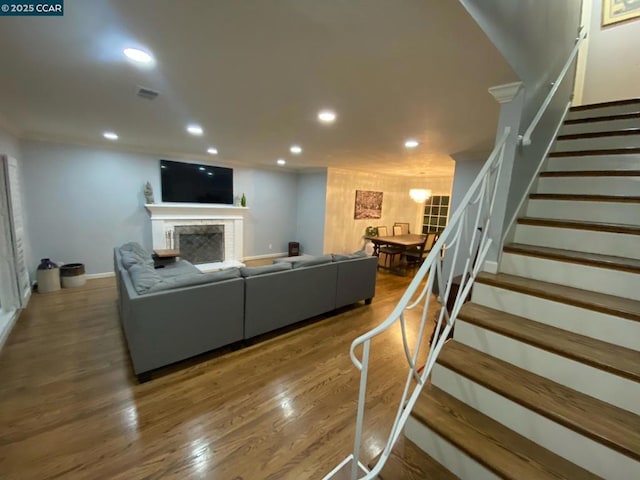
<point>147,93</point>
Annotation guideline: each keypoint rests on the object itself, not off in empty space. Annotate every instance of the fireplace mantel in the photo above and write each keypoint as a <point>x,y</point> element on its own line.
<point>193,210</point>
<point>166,216</point>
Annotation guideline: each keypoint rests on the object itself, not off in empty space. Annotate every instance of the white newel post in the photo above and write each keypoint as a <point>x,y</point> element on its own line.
<point>511,99</point>
<point>166,216</point>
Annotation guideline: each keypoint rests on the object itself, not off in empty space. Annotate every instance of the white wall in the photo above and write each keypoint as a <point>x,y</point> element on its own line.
<point>466,172</point>
<point>343,233</point>
<point>311,201</point>
<point>613,59</point>
<point>9,144</point>
<point>536,38</point>
<point>83,201</point>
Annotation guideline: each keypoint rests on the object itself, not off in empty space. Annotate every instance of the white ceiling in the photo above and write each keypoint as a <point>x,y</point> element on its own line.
<point>254,74</point>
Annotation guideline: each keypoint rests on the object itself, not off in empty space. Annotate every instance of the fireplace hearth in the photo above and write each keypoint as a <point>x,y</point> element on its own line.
<point>200,243</point>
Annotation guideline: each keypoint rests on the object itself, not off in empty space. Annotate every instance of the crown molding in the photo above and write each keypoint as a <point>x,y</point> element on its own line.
<point>505,93</point>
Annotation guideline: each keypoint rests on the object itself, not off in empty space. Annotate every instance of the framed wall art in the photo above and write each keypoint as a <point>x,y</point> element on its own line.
<point>615,11</point>
<point>368,204</point>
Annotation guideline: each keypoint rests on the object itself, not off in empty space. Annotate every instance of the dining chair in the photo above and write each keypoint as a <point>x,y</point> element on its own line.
<point>417,255</point>
<point>403,226</point>
<point>390,251</point>
<point>397,230</point>
<point>382,231</point>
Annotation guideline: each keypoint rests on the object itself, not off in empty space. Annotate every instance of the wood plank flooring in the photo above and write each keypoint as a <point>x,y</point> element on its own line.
<point>280,408</point>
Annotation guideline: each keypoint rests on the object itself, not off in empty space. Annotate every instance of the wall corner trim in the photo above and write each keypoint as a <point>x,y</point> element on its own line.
<point>505,93</point>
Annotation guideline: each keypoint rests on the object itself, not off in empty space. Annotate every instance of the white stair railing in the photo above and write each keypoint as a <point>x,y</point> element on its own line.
<point>525,139</point>
<point>469,222</point>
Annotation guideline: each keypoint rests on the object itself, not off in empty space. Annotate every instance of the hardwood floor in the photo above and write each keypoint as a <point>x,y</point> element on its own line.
<point>281,408</point>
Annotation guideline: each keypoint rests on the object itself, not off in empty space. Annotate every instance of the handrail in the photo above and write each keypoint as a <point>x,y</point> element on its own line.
<point>471,219</point>
<point>526,138</point>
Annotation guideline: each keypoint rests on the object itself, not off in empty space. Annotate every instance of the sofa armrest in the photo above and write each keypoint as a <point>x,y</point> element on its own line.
<point>356,280</point>
<point>165,327</point>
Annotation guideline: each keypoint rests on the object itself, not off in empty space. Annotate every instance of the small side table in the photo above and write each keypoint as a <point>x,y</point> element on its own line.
<point>162,257</point>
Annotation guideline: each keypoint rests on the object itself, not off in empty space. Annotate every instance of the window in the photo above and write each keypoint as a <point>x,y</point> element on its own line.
<point>436,212</point>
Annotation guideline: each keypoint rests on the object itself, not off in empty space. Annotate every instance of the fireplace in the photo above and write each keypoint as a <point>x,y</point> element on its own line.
<point>218,229</point>
<point>200,243</point>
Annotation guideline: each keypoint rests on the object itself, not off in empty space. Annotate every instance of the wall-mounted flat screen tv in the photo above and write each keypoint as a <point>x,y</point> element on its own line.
<point>193,183</point>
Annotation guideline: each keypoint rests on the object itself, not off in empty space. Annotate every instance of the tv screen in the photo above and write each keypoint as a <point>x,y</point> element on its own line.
<point>189,182</point>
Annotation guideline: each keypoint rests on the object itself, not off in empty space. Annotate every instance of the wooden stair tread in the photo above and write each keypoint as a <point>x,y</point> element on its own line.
<point>615,359</point>
<point>408,462</point>
<point>501,450</point>
<point>611,133</point>
<point>571,197</point>
<point>571,256</point>
<point>612,103</point>
<point>581,225</point>
<point>600,302</point>
<point>600,421</point>
<point>591,173</point>
<point>603,118</point>
<point>599,151</point>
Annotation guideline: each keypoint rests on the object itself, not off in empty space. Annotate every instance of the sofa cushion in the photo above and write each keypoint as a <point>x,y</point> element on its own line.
<point>275,267</point>
<point>295,258</point>
<point>177,268</point>
<point>191,279</point>
<point>143,277</point>
<point>321,260</point>
<point>338,257</point>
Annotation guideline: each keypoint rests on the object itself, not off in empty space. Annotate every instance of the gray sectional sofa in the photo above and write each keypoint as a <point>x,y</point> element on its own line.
<point>176,312</point>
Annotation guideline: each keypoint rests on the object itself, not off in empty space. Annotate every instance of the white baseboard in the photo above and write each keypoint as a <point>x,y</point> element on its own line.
<point>490,266</point>
<point>268,255</point>
<point>91,276</point>
<point>7,321</point>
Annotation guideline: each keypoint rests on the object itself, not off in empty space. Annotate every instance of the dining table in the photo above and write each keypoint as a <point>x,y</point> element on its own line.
<point>406,242</point>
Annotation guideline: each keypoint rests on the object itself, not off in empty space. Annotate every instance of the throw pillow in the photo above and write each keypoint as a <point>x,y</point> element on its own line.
<point>136,248</point>
<point>143,277</point>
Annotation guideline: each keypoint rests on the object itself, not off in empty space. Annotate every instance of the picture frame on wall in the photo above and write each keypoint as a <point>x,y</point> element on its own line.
<point>368,204</point>
<point>616,11</point>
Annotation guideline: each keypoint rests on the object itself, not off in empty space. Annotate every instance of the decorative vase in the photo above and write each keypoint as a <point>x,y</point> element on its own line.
<point>48,276</point>
<point>46,264</point>
<point>243,201</point>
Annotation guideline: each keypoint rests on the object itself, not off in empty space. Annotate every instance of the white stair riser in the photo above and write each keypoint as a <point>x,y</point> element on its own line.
<point>561,440</point>
<point>606,212</point>
<point>604,280</point>
<point>604,111</point>
<point>456,461</point>
<point>601,326</point>
<point>590,185</point>
<point>593,162</point>
<point>597,143</point>
<point>597,383</point>
<point>602,126</point>
<point>605,243</point>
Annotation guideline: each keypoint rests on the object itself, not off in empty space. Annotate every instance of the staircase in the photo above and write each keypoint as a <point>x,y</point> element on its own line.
<point>542,378</point>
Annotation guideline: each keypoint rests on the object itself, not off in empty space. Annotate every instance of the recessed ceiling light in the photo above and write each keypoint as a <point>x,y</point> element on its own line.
<point>110,135</point>
<point>281,161</point>
<point>212,150</point>
<point>194,129</point>
<point>138,55</point>
<point>326,116</point>
<point>210,174</point>
<point>295,149</point>
<point>411,143</point>
<point>202,169</point>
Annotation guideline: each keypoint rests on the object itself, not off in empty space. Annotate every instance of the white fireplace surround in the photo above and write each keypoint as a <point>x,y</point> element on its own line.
<point>166,216</point>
